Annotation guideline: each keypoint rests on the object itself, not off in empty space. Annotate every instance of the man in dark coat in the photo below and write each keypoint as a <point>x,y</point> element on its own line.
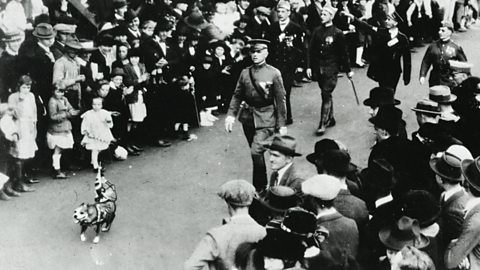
<point>99,57</point>
<point>9,64</point>
<point>260,88</point>
<point>65,32</point>
<point>437,56</point>
<point>327,56</point>
<point>282,151</point>
<point>258,25</point>
<point>287,52</point>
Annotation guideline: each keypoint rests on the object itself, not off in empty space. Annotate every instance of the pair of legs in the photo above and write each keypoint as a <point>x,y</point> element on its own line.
<point>56,160</point>
<point>327,83</point>
<point>255,138</point>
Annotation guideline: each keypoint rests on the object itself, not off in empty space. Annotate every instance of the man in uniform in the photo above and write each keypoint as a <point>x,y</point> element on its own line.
<point>287,50</point>
<point>260,87</point>
<point>437,56</point>
<point>327,56</point>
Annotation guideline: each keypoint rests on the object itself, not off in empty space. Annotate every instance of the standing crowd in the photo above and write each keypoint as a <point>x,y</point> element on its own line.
<point>81,82</point>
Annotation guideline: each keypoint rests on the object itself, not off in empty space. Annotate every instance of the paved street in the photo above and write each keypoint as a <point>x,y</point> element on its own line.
<point>167,196</point>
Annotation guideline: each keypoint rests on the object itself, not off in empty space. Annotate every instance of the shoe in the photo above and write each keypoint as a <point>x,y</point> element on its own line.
<point>9,191</point>
<point>59,175</point>
<point>132,152</point>
<point>4,196</point>
<point>289,121</point>
<point>163,143</point>
<point>24,188</point>
<point>136,148</point>
<point>215,113</point>
<point>320,131</point>
<point>331,123</point>
<point>32,181</point>
<point>359,65</point>
<point>462,29</point>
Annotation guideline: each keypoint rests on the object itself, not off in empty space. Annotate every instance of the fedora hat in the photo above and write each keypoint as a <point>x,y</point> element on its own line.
<point>300,222</point>
<point>284,144</point>
<point>44,31</point>
<point>441,94</point>
<point>322,186</point>
<point>427,107</point>
<point>448,164</point>
<point>196,20</point>
<point>471,170</point>
<point>388,118</point>
<point>237,192</point>
<point>420,205</point>
<point>380,96</point>
<point>11,36</point>
<point>406,232</point>
<point>279,199</point>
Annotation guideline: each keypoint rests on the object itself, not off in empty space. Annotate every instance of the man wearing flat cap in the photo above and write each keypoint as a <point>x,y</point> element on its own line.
<point>282,151</point>
<point>217,249</point>
<point>259,102</point>
<point>9,72</point>
<point>326,57</point>
<point>65,32</point>
<point>437,56</point>
<point>258,25</point>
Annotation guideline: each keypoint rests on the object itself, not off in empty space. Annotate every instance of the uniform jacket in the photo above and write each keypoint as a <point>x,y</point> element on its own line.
<point>328,51</point>
<point>452,215</point>
<point>292,179</point>
<point>343,233</point>
<point>266,113</point>
<point>59,110</point>
<point>437,56</point>
<point>217,249</point>
<point>468,243</point>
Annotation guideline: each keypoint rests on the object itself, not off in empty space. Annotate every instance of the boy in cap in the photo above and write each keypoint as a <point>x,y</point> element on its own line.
<point>217,249</point>
<point>327,53</point>
<point>260,88</point>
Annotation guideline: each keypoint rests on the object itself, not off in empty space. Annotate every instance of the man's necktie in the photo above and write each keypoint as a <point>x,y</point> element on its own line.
<point>274,179</point>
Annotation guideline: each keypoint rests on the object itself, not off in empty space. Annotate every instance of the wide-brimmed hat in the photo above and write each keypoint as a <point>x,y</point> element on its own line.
<point>279,199</point>
<point>380,173</point>
<point>300,222</point>
<point>388,118</point>
<point>11,36</point>
<point>87,46</point>
<point>73,44</point>
<point>284,144</point>
<point>44,31</point>
<point>219,43</point>
<point>380,96</point>
<point>406,232</point>
<point>427,107</point>
<point>471,170</point>
<point>448,164</point>
<point>420,205</point>
<point>460,67</point>
<point>237,192</point>
<point>324,187</point>
<point>441,94</point>
<point>196,20</point>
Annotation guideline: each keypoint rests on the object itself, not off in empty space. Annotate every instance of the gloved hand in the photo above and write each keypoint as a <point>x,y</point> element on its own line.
<point>229,123</point>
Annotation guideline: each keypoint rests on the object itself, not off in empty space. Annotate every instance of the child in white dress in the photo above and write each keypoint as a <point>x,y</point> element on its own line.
<point>96,125</point>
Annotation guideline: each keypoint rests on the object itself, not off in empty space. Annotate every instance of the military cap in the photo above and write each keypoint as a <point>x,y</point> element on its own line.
<point>258,43</point>
<point>237,192</point>
<point>323,187</point>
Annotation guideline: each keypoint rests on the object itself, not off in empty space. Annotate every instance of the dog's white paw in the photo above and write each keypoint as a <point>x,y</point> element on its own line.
<point>83,238</point>
<point>96,239</point>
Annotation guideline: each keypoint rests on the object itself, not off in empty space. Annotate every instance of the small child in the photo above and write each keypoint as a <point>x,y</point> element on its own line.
<point>204,76</point>
<point>185,112</point>
<point>59,135</point>
<point>96,126</point>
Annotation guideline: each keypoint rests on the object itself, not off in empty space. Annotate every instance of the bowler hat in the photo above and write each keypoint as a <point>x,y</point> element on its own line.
<point>299,221</point>
<point>284,144</point>
<point>44,31</point>
<point>237,192</point>
<point>164,25</point>
<point>323,187</point>
<point>426,106</point>
<point>11,36</point>
<point>388,118</point>
<point>441,94</point>
<point>471,170</point>
<point>196,20</point>
<point>406,232</point>
<point>380,173</point>
<point>380,96</point>
<point>422,206</point>
<point>130,15</point>
<point>320,148</point>
<point>448,164</point>
<point>279,199</point>
<point>460,67</point>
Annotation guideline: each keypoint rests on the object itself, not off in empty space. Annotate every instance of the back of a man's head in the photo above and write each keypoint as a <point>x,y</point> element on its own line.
<point>336,163</point>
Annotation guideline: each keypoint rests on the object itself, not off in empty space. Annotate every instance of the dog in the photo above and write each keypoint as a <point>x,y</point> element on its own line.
<point>99,214</point>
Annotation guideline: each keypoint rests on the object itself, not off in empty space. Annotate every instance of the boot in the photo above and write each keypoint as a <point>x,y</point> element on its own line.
<point>4,196</point>
<point>22,187</point>
<point>7,189</point>
<point>59,175</point>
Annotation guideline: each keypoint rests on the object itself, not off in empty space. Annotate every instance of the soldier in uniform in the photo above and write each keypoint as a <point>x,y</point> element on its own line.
<point>327,56</point>
<point>437,56</point>
<point>259,101</point>
<point>287,50</point>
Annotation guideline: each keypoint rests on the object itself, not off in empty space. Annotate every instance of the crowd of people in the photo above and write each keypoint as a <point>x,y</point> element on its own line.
<point>81,80</point>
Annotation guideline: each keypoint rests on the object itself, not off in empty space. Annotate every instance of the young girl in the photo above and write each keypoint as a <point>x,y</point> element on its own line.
<point>59,135</point>
<point>23,145</point>
<point>184,111</point>
<point>96,132</point>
